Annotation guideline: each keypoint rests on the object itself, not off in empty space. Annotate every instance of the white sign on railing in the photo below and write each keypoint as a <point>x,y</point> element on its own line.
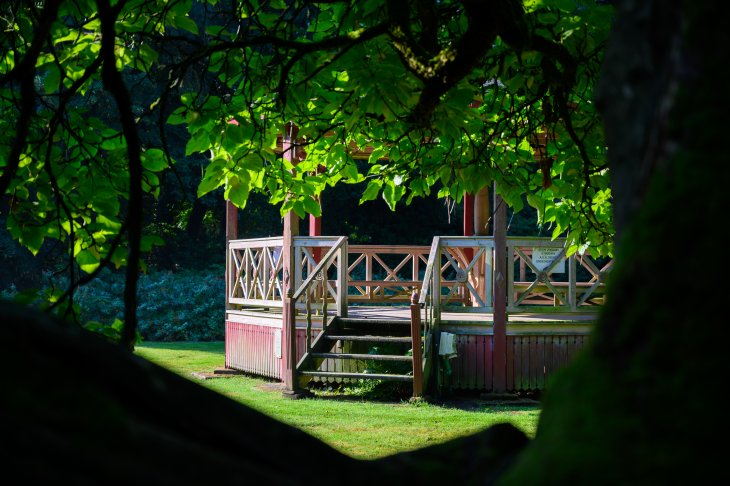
<point>542,257</point>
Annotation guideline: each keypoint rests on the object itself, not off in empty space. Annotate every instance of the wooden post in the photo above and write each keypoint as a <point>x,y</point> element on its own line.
<point>315,229</point>
<point>468,214</point>
<point>481,224</point>
<point>481,212</point>
<point>231,234</point>
<point>468,230</point>
<point>499,355</point>
<point>342,262</point>
<point>416,356</point>
<point>291,229</point>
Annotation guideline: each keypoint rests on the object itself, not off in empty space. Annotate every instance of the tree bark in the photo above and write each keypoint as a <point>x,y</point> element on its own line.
<point>636,406</point>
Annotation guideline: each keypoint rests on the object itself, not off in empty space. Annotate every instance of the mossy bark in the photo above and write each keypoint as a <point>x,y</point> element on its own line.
<point>638,406</point>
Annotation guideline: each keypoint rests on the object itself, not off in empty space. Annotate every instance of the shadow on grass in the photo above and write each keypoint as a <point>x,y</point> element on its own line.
<point>398,392</point>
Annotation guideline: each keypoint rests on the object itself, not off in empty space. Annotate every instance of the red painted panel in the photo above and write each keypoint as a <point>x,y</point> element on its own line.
<point>480,364</point>
<point>510,381</point>
<point>549,356</point>
<point>539,364</point>
<point>460,364</point>
<point>488,362</point>
<point>525,369</point>
<point>470,358</point>
<point>250,348</point>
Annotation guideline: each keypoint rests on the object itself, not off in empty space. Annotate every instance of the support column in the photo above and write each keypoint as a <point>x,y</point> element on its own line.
<point>291,229</point>
<point>231,234</point>
<point>315,229</point>
<point>468,214</point>
<point>481,212</point>
<point>499,355</point>
<point>481,223</point>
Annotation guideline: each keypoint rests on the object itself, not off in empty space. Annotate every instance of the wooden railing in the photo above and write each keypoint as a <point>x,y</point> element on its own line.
<point>308,257</point>
<point>384,274</point>
<point>465,277</point>
<point>455,275</point>
<point>427,325</point>
<point>255,272</point>
<point>316,291</point>
<point>542,279</point>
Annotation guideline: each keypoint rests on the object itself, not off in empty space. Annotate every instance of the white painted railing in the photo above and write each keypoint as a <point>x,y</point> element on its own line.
<point>542,279</point>
<point>315,292</point>
<point>385,274</point>
<point>254,270</point>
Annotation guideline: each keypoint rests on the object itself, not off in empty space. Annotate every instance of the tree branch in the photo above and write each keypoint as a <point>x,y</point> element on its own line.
<point>24,73</point>
<point>114,83</point>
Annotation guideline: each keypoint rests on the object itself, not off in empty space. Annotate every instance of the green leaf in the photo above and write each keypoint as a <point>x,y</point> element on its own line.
<point>311,206</point>
<point>392,194</point>
<point>148,241</point>
<point>88,260</point>
<point>199,142</point>
<point>371,191</point>
<point>238,195</point>
<point>154,160</point>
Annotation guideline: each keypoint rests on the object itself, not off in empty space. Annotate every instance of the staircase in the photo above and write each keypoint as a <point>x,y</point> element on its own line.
<point>383,345</point>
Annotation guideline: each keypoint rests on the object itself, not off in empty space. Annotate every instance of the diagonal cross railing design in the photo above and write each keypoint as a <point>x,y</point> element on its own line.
<point>255,272</point>
<point>541,278</point>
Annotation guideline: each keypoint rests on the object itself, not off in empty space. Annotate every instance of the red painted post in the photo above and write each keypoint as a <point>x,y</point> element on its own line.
<point>481,223</point>
<point>499,356</point>
<point>315,224</point>
<point>416,356</point>
<point>468,214</point>
<point>315,229</point>
<point>231,234</point>
<point>481,212</point>
<point>468,231</point>
<point>291,229</point>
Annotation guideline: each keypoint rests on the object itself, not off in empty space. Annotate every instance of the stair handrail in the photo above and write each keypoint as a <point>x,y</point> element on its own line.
<point>429,275</point>
<point>428,299</point>
<point>337,250</point>
<point>331,253</point>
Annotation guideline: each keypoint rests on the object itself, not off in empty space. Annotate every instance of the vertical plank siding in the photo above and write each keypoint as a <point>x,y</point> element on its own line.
<point>471,369</point>
<point>532,360</point>
<point>250,348</point>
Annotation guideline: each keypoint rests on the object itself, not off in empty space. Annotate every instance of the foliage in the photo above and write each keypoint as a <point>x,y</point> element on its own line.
<point>99,103</point>
<point>174,306</point>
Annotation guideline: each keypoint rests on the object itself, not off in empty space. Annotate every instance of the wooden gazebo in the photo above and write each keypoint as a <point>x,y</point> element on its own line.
<point>475,311</point>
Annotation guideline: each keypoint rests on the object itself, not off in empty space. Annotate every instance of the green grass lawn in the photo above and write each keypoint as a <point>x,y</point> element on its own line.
<point>355,425</point>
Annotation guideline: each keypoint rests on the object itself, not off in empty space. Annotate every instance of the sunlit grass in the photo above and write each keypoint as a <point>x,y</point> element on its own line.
<point>359,427</point>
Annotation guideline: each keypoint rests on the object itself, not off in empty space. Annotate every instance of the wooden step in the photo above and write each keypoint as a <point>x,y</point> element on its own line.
<point>363,376</point>
<point>364,321</point>
<point>370,338</point>
<point>374,357</point>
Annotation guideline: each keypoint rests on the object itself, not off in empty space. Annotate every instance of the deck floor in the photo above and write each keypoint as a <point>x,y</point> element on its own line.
<point>404,313</point>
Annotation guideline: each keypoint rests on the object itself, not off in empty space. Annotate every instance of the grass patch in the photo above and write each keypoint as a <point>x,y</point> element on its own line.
<point>350,422</point>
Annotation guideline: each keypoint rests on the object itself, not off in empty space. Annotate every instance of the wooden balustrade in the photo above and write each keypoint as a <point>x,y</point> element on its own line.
<point>316,288</point>
<point>384,273</point>
<point>460,279</point>
<point>255,272</point>
<point>548,281</point>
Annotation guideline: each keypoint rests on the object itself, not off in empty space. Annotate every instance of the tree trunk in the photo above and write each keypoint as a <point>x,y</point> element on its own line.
<point>636,407</point>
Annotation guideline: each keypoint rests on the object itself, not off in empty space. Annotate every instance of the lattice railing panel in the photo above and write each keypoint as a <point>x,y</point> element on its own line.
<point>255,274</point>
